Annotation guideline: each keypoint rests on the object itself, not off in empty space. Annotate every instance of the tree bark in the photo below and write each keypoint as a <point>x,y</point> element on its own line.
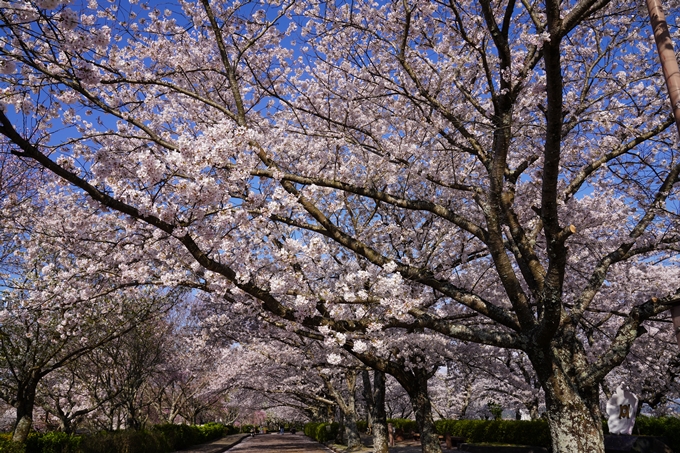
<point>375,399</point>
<point>466,401</point>
<point>573,426</point>
<point>347,407</point>
<point>533,408</point>
<point>23,427</point>
<point>574,416</point>
<point>422,407</point>
<point>24,406</point>
<point>414,381</point>
<point>65,422</point>
<point>349,413</point>
<point>416,387</point>
<point>351,431</point>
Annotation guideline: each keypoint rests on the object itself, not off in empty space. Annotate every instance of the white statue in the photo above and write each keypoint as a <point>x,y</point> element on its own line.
<point>524,414</point>
<point>621,408</point>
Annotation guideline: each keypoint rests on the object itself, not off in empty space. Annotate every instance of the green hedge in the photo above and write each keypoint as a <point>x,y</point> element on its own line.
<point>230,429</point>
<point>536,432</point>
<point>160,439</point>
<point>362,426</point>
<point>128,441</point>
<point>7,446</point>
<point>179,436</point>
<point>53,442</point>
<point>246,428</point>
<point>213,431</point>
<point>183,436</point>
<point>517,432</point>
<point>404,424</point>
<point>667,427</point>
<point>319,433</point>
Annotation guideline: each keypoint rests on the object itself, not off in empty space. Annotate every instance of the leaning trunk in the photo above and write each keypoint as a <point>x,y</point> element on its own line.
<point>414,381</point>
<point>23,426</point>
<point>347,408</point>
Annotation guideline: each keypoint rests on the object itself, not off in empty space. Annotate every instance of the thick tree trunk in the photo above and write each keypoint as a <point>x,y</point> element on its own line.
<point>414,381</point>
<point>65,423</point>
<point>349,413</point>
<point>574,429</point>
<point>24,421</point>
<point>24,406</point>
<point>466,401</point>
<point>23,427</point>
<point>574,414</point>
<point>380,437</point>
<point>341,435</point>
<point>533,409</point>
<point>347,407</point>
<point>422,407</point>
<point>416,387</point>
<point>351,431</point>
<point>375,399</point>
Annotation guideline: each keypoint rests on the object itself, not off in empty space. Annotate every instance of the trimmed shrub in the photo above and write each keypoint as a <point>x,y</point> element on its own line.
<point>667,427</point>
<point>230,429</point>
<point>516,432</point>
<point>179,436</point>
<point>7,446</point>
<point>126,442</point>
<point>246,428</point>
<point>319,431</point>
<point>53,442</point>
<point>404,425</point>
<point>211,431</point>
<point>183,436</point>
<point>309,429</point>
<point>160,439</point>
<point>362,426</point>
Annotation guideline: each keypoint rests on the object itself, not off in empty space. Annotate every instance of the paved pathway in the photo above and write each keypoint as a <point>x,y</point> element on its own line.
<point>287,443</point>
<point>217,446</point>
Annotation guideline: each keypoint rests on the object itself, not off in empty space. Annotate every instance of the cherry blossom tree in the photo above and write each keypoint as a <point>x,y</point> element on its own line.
<point>183,386</point>
<point>475,374</point>
<point>651,370</point>
<point>53,312</point>
<point>500,173</point>
<point>64,395</point>
<point>294,370</point>
<point>193,384</point>
<point>35,342</point>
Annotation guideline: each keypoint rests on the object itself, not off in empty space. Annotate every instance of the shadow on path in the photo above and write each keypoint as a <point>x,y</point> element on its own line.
<point>270,443</point>
<point>216,446</point>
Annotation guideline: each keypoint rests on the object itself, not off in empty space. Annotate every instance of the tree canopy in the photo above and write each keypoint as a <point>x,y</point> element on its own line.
<point>502,173</point>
